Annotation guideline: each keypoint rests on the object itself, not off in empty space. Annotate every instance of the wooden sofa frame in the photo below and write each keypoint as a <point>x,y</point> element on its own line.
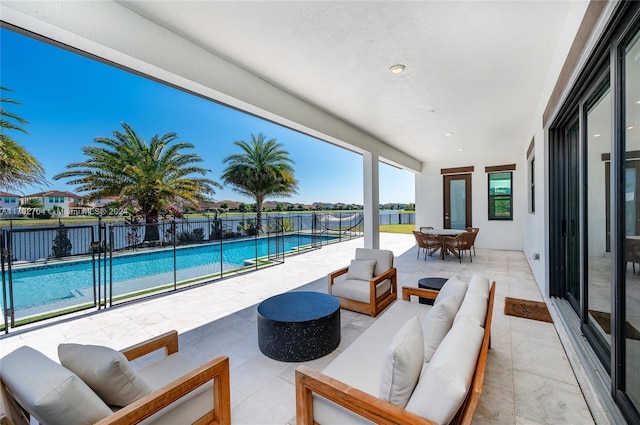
<point>375,304</point>
<point>216,370</point>
<point>310,381</point>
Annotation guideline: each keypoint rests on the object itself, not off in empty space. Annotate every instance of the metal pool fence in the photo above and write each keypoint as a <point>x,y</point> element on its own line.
<point>52,271</point>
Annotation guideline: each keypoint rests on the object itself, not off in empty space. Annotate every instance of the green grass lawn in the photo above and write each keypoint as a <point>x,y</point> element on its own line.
<point>397,228</point>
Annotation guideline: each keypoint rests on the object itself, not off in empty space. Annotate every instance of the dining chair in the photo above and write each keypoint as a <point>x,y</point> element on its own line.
<point>458,244</point>
<point>429,243</point>
<point>475,231</point>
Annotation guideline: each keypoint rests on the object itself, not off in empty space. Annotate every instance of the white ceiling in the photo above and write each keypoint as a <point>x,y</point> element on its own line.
<point>480,65</point>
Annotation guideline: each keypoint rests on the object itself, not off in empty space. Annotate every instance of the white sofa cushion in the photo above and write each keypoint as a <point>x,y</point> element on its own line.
<point>455,287</point>
<point>358,290</point>
<point>48,391</point>
<point>106,371</point>
<point>368,353</point>
<point>402,364</point>
<point>361,270</point>
<point>479,285</point>
<point>443,387</point>
<point>473,307</point>
<point>187,409</point>
<point>436,324</point>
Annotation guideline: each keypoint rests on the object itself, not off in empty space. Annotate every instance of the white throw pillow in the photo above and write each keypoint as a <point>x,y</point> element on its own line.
<point>454,287</point>
<point>473,307</point>
<point>361,269</point>
<point>436,324</point>
<point>49,392</point>
<point>403,362</point>
<point>106,371</point>
<point>479,285</point>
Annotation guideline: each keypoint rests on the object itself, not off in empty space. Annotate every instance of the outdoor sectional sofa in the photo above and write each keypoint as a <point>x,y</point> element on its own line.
<point>416,364</point>
<point>104,389</point>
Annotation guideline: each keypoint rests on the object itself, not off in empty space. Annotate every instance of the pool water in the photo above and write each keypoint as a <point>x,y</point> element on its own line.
<point>50,287</point>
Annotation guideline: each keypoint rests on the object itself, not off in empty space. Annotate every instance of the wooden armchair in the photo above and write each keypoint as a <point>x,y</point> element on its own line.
<point>369,295</point>
<point>183,391</point>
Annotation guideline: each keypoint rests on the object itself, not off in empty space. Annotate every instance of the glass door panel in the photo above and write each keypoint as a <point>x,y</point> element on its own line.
<point>598,274</point>
<point>458,211</point>
<point>631,137</point>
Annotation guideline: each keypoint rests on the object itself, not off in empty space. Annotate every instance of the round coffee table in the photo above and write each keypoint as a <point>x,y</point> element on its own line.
<point>434,283</point>
<point>298,326</point>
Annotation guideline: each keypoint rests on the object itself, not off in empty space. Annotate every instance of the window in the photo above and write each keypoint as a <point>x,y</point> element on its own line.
<point>6,200</point>
<point>12,200</point>
<point>532,185</point>
<point>500,205</point>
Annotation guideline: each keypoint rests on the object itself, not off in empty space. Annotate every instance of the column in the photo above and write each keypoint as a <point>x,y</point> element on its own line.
<point>371,201</point>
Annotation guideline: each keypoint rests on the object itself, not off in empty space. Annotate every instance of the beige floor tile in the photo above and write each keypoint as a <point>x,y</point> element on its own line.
<point>220,319</point>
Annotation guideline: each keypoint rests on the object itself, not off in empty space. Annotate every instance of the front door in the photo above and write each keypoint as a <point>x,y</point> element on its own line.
<point>457,201</point>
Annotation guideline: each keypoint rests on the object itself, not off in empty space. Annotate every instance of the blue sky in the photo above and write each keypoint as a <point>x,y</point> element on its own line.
<point>69,100</point>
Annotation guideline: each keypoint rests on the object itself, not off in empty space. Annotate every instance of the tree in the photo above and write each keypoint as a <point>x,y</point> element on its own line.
<point>32,203</point>
<point>262,170</point>
<point>149,176</point>
<point>61,243</point>
<point>18,168</point>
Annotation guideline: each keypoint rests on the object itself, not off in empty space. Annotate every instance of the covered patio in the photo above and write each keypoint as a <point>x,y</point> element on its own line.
<point>529,379</point>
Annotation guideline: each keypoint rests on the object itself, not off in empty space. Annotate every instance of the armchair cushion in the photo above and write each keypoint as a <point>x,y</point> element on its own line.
<point>402,364</point>
<point>361,270</point>
<point>383,257</point>
<point>106,371</point>
<point>358,290</point>
<point>436,324</point>
<point>187,409</point>
<point>51,393</point>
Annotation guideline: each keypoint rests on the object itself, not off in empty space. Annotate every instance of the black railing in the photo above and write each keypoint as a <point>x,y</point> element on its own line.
<point>49,271</point>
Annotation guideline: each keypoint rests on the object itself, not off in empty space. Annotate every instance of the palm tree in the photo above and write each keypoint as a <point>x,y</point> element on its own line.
<point>149,176</point>
<point>18,168</point>
<point>262,170</point>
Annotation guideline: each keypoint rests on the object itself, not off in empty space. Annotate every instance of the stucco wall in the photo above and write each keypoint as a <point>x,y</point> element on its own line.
<point>495,234</point>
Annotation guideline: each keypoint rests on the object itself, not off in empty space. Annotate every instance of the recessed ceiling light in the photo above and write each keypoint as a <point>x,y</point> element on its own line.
<point>638,101</point>
<point>631,127</point>
<point>460,149</point>
<point>397,69</point>
<point>448,134</point>
<point>597,135</point>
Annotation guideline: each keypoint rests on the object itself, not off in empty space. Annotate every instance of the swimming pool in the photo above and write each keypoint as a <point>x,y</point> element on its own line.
<point>38,289</point>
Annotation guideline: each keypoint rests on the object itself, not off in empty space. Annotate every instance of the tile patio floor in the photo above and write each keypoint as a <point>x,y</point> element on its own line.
<point>528,381</point>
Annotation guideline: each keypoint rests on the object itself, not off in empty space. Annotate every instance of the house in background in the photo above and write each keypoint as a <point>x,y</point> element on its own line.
<point>9,204</point>
<point>56,201</point>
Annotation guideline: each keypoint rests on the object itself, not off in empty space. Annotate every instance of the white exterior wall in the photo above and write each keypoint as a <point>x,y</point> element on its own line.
<point>10,206</point>
<point>536,226</point>
<point>495,234</point>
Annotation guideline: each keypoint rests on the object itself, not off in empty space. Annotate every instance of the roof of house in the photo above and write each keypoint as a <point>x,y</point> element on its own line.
<point>52,193</point>
<point>7,194</point>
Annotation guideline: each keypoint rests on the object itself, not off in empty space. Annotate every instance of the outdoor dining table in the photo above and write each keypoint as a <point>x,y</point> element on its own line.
<point>441,233</point>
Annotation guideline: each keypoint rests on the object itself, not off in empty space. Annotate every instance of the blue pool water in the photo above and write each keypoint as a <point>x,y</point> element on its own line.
<point>50,287</point>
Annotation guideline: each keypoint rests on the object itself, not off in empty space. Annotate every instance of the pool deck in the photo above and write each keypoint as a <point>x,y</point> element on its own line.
<point>528,380</point>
